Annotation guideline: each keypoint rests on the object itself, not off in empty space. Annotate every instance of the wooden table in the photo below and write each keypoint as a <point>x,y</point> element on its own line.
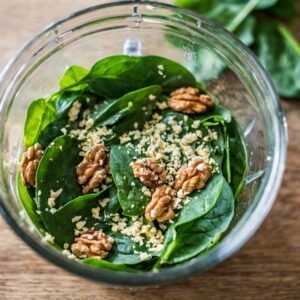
<point>268,266</point>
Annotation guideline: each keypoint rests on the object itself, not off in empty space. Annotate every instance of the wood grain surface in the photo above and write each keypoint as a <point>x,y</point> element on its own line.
<point>268,266</point>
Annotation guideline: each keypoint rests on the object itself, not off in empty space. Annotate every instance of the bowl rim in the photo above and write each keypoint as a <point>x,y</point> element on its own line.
<point>238,239</point>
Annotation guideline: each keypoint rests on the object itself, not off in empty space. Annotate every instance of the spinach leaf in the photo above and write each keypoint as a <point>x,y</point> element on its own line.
<point>226,163</point>
<point>39,114</point>
<point>52,131</point>
<point>263,4</point>
<point>110,112</point>
<point>26,196</point>
<point>232,14</point>
<point>258,24</point>
<point>72,77</point>
<point>115,76</point>
<point>238,157</point>
<point>123,251</point>
<point>229,13</point>
<point>279,52</point>
<point>110,87</point>
<point>63,106</point>
<point>114,205</point>
<point>56,171</point>
<point>201,201</point>
<point>106,265</point>
<point>194,237</point>
<point>169,246</point>
<point>132,200</point>
<point>60,224</point>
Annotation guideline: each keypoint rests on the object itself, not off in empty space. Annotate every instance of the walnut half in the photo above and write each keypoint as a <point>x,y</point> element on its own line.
<point>93,168</point>
<point>160,206</point>
<point>150,173</point>
<point>30,161</point>
<point>189,100</point>
<point>192,176</point>
<point>92,243</point>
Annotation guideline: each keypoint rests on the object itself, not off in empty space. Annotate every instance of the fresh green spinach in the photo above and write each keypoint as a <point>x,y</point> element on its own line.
<point>114,205</point>
<point>62,225</point>
<point>264,25</point>
<point>57,172</point>
<point>156,71</point>
<point>72,77</point>
<point>131,197</point>
<point>201,201</point>
<point>40,113</point>
<point>279,52</point>
<point>238,157</point>
<point>190,239</point>
<point>64,104</point>
<point>26,196</point>
<point>124,250</point>
<point>130,105</point>
<point>106,265</point>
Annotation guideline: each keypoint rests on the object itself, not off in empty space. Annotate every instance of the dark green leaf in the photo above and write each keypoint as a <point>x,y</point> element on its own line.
<point>26,196</point>
<point>284,9</point>
<point>114,205</point>
<point>226,163</point>
<point>194,237</point>
<point>57,170</point>
<point>123,250</point>
<point>111,111</point>
<point>52,131</point>
<point>60,224</point>
<point>115,76</point>
<point>39,114</point>
<point>238,157</point>
<point>63,106</point>
<point>201,201</point>
<point>132,200</point>
<point>279,52</point>
<point>106,265</point>
<point>232,14</point>
<point>111,87</point>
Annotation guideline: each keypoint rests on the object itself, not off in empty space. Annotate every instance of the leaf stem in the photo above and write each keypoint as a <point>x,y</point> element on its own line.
<point>289,37</point>
<point>235,23</point>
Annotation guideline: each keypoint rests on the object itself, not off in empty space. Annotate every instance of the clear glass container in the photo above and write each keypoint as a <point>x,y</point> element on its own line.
<point>146,28</point>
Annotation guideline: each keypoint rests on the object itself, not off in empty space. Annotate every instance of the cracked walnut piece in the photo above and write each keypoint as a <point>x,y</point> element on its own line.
<point>30,162</point>
<point>93,168</point>
<point>192,176</point>
<point>189,100</point>
<point>92,243</point>
<point>150,173</point>
<point>160,206</point>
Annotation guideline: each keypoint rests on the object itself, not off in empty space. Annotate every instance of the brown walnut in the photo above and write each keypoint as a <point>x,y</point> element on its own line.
<point>189,100</point>
<point>150,173</point>
<point>160,206</point>
<point>30,162</point>
<point>192,176</point>
<point>92,243</point>
<point>93,169</point>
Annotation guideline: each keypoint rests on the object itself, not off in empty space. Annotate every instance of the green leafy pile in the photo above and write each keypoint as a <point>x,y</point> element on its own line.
<point>266,26</point>
<point>115,95</point>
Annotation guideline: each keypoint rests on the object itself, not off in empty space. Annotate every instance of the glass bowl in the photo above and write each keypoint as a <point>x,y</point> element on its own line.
<point>146,28</point>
